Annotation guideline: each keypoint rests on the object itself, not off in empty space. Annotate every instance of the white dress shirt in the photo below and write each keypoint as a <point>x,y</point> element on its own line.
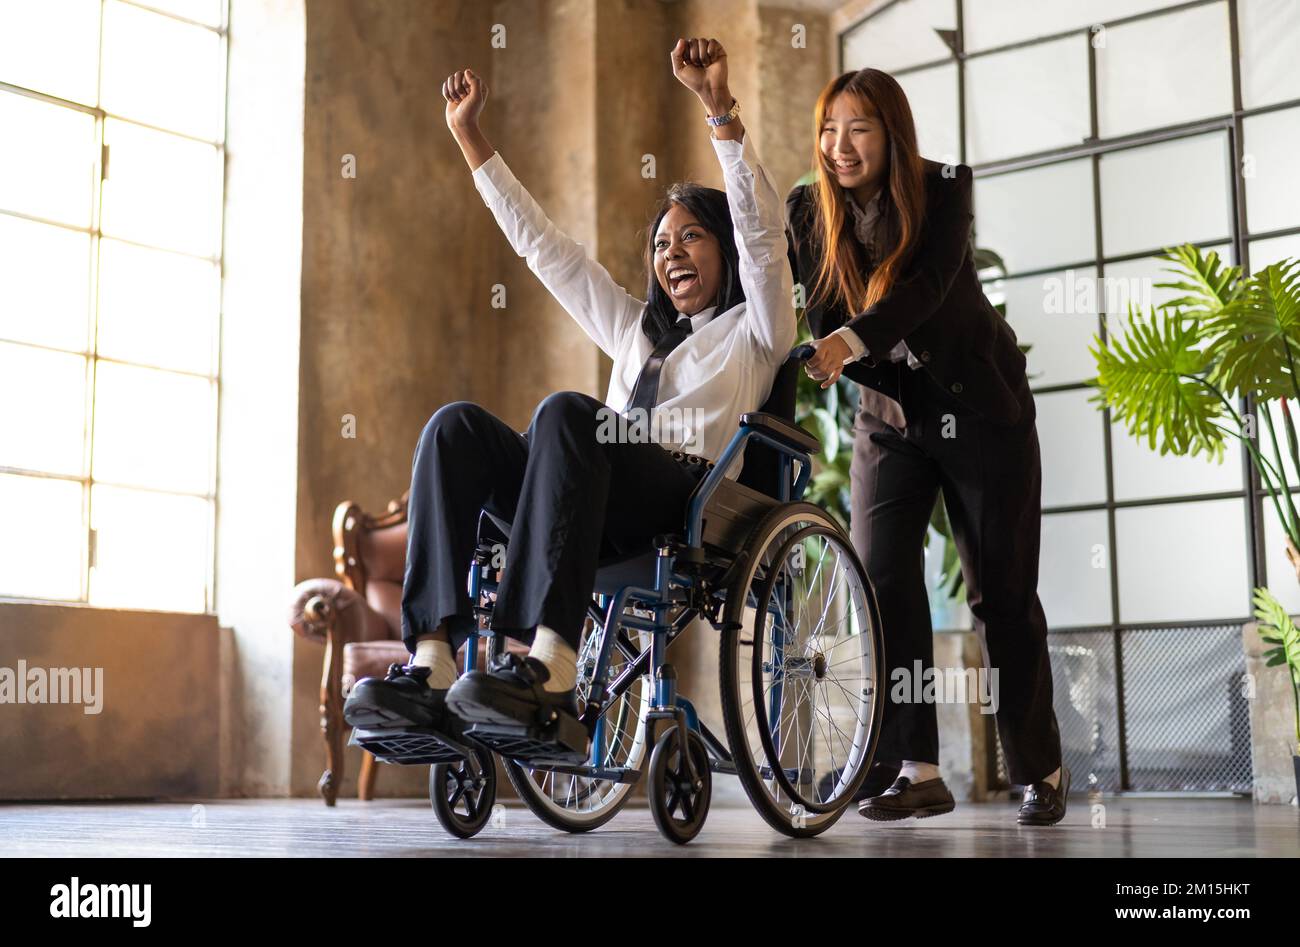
<point>726,366</point>
<point>864,228</point>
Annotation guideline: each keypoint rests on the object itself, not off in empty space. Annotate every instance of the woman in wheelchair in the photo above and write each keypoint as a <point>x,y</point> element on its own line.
<point>581,482</point>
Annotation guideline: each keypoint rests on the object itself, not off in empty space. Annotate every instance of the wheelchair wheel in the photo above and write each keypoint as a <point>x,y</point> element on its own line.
<point>678,802</point>
<point>575,803</point>
<point>802,664</point>
<point>464,792</point>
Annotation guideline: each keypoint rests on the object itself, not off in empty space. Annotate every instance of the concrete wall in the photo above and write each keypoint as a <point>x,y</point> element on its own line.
<point>156,730</point>
<point>258,466</point>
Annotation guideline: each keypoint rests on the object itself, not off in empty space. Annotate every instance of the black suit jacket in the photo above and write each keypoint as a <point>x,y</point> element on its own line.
<point>937,307</point>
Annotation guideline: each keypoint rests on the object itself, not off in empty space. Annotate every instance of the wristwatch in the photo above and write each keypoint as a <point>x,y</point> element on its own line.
<point>716,120</point>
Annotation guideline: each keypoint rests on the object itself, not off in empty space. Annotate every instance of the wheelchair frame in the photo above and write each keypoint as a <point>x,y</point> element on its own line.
<point>693,591</point>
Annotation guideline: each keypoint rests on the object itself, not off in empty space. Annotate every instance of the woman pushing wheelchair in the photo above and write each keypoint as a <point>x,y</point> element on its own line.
<point>701,349</point>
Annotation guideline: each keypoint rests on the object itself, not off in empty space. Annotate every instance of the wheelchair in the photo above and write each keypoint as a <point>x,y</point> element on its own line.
<point>801,659</point>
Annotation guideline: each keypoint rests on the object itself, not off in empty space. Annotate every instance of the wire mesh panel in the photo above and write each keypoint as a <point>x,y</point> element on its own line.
<point>1186,718</point>
<point>1084,694</point>
<point>1187,724</point>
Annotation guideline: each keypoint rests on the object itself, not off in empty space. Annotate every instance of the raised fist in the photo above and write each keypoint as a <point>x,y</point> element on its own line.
<point>466,94</point>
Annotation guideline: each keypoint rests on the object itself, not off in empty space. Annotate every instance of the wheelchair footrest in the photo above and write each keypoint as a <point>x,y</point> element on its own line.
<point>562,743</point>
<point>408,746</point>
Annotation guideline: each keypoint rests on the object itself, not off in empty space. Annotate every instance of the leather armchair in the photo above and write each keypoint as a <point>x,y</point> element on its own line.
<point>357,617</point>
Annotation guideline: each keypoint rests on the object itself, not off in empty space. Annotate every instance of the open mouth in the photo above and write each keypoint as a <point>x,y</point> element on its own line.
<point>682,280</point>
<point>847,165</point>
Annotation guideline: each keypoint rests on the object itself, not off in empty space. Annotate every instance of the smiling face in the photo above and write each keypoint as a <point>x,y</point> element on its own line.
<point>687,261</point>
<point>855,146</point>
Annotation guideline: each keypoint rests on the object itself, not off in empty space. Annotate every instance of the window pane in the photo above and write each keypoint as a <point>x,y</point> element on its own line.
<point>139,47</point>
<point>157,307</point>
<point>1164,70</point>
<point>151,550</point>
<point>1269,36</point>
<point>990,23</point>
<point>162,190</point>
<point>1141,472</point>
<point>51,46</point>
<point>52,173</point>
<point>1271,154</point>
<point>1165,194</point>
<point>1281,574</point>
<point>44,284</point>
<point>201,11</point>
<point>43,423</point>
<point>932,95</point>
<point>1053,316</point>
<point>1273,250</point>
<point>1182,561</point>
<point>1074,569</point>
<point>153,429</point>
<point>1037,218</point>
<point>1070,441</point>
<point>47,514</point>
<point>900,36</point>
<point>1006,116</point>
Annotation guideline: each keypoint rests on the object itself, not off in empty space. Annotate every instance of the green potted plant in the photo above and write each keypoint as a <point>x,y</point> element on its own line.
<point>1174,375</point>
<point>1276,627</point>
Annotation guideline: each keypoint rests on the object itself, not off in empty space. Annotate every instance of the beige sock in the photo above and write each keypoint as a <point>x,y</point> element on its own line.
<point>560,659</point>
<point>918,772</point>
<point>1055,779</point>
<point>436,655</point>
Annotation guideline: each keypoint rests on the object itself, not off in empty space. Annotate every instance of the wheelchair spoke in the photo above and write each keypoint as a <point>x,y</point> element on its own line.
<point>839,734</point>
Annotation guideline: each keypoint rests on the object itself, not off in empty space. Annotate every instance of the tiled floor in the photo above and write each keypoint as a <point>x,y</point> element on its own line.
<point>1123,827</point>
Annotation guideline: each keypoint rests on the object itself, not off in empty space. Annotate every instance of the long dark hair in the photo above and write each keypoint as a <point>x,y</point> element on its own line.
<point>839,273</point>
<point>709,205</point>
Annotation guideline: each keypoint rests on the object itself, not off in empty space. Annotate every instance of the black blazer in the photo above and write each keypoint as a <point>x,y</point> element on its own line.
<point>938,306</point>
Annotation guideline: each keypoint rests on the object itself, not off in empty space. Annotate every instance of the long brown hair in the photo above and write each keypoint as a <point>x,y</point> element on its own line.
<point>839,277</point>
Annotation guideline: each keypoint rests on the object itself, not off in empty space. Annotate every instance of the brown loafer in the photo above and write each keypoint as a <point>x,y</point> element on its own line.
<point>905,799</point>
<point>1044,805</point>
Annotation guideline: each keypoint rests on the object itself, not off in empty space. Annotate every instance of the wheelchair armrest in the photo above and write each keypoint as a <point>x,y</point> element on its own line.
<point>792,436</point>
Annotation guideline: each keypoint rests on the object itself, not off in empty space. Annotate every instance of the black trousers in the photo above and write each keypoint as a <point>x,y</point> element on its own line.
<point>991,479</point>
<point>570,499</point>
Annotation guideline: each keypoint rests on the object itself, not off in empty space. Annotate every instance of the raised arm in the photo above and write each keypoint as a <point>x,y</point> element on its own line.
<point>757,212</point>
<point>603,308</point>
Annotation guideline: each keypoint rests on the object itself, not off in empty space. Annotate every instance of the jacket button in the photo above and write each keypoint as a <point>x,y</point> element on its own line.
<point>925,356</point>
<point>956,387</point>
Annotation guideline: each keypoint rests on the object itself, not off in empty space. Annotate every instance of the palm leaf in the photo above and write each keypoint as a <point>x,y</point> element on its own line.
<point>1208,286</point>
<point>1151,378</point>
<point>1276,626</point>
<point>1256,349</point>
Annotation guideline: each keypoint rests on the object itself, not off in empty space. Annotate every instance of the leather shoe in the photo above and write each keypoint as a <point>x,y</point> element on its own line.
<point>510,693</point>
<point>401,699</point>
<point>878,779</point>
<point>1044,804</point>
<point>905,798</point>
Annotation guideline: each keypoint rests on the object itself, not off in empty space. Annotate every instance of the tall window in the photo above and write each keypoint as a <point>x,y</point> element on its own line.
<point>112,119</point>
<point>1101,131</point>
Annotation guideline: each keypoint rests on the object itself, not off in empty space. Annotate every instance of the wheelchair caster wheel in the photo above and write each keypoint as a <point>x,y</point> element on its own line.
<point>678,802</point>
<point>463,792</point>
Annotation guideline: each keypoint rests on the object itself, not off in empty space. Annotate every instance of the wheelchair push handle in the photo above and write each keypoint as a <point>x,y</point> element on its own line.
<point>801,353</point>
